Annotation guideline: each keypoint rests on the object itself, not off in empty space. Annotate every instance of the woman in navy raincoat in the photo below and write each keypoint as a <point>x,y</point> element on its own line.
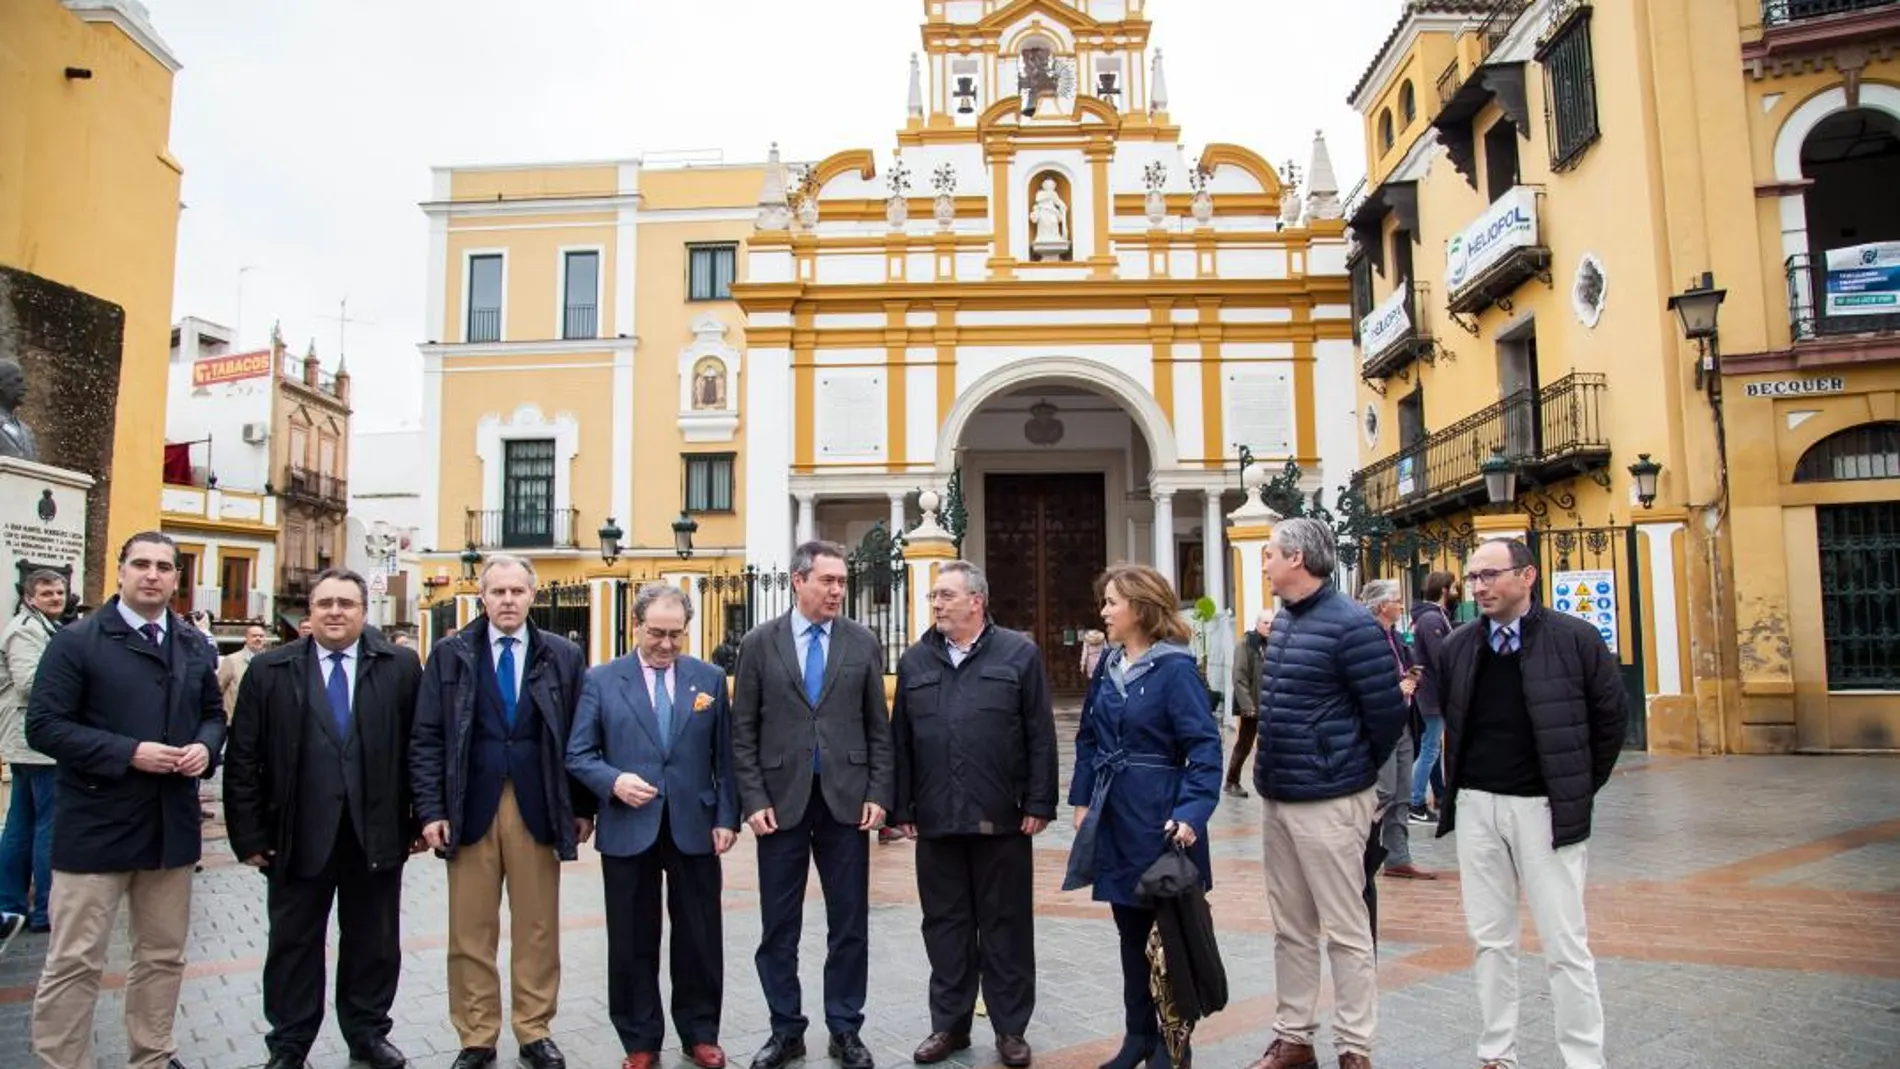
<point>1147,770</point>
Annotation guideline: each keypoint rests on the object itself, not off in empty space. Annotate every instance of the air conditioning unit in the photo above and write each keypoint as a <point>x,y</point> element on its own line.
<point>256,433</point>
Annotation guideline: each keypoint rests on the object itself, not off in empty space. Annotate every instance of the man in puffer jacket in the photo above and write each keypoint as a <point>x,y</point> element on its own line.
<point>1330,713</point>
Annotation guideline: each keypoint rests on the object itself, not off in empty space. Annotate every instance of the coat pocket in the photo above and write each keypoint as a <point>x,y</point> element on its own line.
<point>772,763</point>
<point>859,757</point>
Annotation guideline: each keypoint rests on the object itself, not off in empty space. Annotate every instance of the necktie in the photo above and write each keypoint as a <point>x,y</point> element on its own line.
<point>338,691</point>
<point>814,681</point>
<point>153,633</point>
<point>505,679</point>
<point>1504,640</point>
<point>663,708</point>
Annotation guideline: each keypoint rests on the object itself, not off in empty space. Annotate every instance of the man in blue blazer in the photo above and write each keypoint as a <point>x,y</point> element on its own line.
<point>652,740</point>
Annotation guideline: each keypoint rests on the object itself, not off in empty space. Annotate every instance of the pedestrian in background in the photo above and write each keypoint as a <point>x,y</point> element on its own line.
<point>126,702</point>
<point>975,739</point>
<point>1147,775</point>
<point>1249,655</point>
<point>26,848</point>
<point>1392,832</point>
<point>1431,624</point>
<point>1331,713</point>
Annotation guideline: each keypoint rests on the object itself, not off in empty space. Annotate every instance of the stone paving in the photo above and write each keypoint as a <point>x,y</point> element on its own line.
<point>1744,911</point>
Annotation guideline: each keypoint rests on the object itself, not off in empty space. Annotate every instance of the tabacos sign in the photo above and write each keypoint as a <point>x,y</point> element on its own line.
<point>230,368</point>
<point>1509,223</point>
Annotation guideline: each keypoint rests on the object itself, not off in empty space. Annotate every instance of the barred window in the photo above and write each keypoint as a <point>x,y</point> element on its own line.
<point>1570,88</point>
<point>1867,451</point>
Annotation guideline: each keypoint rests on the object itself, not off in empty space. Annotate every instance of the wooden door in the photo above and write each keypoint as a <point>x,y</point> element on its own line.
<point>234,602</point>
<point>1045,540</point>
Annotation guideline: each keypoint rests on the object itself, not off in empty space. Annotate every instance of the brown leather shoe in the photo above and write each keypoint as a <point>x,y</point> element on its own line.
<point>1014,1051</point>
<point>1354,1061</point>
<point>707,1055</point>
<point>1286,1054</point>
<point>1409,872</point>
<point>639,1059</point>
<point>938,1046</point>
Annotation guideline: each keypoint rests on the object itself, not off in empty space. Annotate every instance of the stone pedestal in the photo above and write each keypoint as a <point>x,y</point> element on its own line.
<point>43,520</point>
<point>1249,528</point>
<point>927,547</point>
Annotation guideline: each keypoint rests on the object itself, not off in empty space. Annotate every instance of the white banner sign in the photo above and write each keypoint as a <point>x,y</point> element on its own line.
<point>1509,223</point>
<point>1590,596</point>
<point>1864,280</point>
<point>1385,324</point>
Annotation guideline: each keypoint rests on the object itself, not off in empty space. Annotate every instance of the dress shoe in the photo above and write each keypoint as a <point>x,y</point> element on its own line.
<point>940,1045</point>
<point>474,1058</point>
<point>543,1054</point>
<point>1235,790</point>
<point>1409,871</point>
<point>778,1050</point>
<point>1136,1050</point>
<point>378,1053</point>
<point>850,1051</point>
<point>1354,1061</point>
<point>639,1059</point>
<point>1285,1054</point>
<point>1013,1050</point>
<point>707,1055</point>
<point>281,1060</point>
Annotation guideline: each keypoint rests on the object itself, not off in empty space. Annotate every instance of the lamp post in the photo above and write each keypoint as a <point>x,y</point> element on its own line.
<point>1697,308</point>
<point>610,534</point>
<point>683,529</point>
<point>1645,472</point>
<point>1500,477</point>
<point>471,560</point>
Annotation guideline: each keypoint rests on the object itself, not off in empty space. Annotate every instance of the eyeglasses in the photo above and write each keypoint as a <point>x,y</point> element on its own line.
<point>1490,575</point>
<point>945,595</point>
<point>326,604</point>
<point>658,635</point>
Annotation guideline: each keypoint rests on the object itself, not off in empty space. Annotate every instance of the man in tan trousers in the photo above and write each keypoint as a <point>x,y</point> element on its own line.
<point>488,763</point>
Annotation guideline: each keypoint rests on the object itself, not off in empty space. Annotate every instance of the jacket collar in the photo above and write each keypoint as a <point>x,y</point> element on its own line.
<point>1310,601</point>
<point>476,634</point>
<point>936,640</point>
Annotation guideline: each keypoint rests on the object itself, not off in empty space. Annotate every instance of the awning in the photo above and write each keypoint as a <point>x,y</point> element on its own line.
<point>290,618</point>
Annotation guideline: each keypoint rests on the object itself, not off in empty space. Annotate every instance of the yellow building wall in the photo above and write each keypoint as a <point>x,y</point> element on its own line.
<point>515,183</point>
<point>89,199</point>
<point>702,187</point>
<point>1421,67</point>
<point>531,271</point>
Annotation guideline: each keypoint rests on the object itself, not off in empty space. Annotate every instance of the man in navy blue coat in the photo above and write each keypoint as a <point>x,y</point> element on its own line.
<point>1330,713</point>
<point>127,703</point>
<point>653,741</point>
<point>488,760</point>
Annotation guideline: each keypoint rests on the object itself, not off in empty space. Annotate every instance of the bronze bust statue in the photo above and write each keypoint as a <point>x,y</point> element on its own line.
<point>16,438</point>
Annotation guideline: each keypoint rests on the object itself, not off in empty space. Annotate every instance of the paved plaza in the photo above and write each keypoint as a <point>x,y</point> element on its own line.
<point>1744,911</point>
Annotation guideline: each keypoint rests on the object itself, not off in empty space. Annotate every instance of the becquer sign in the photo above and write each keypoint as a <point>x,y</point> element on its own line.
<point>1509,223</point>
<point>1795,387</point>
<point>216,369</point>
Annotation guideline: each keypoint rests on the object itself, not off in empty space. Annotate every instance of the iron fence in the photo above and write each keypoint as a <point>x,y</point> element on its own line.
<point>566,609</point>
<point>313,487</point>
<point>1811,315</point>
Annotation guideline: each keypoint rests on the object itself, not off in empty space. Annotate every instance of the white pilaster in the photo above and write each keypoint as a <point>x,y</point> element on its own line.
<point>1164,533</point>
<point>600,621</point>
<point>897,513</point>
<point>768,516</point>
<point>807,506</point>
<point>621,459</point>
<point>1659,573</point>
<point>1214,550</point>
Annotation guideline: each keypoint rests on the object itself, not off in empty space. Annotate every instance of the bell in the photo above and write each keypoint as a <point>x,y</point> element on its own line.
<point>965,94</point>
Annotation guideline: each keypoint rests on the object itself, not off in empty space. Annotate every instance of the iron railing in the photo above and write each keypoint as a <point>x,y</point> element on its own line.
<point>1783,12</point>
<point>1808,313</point>
<point>1531,427</point>
<point>522,528</point>
<point>314,487</point>
<point>298,582</point>
<point>1490,32</point>
<point>484,324</point>
<point>1860,594</point>
<point>565,609</point>
<point>579,321</point>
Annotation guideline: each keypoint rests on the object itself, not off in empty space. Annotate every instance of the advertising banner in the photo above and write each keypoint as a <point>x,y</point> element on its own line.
<point>218,369</point>
<point>1385,324</point>
<point>1863,280</point>
<point>1509,223</point>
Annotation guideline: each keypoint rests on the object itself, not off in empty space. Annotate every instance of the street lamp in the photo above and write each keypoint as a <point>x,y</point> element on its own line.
<point>610,542</point>
<point>1500,477</point>
<point>1645,471</point>
<point>471,560</point>
<point>683,529</point>
<point>1697,308</point>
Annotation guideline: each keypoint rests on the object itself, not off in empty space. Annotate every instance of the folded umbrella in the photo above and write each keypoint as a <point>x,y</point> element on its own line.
<point>1186,974</point>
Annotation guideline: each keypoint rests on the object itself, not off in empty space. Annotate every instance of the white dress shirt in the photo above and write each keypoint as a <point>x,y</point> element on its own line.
<point>801,639</point>
<point>349,665</point>
<point>137,623</point>
<point>495,635</point>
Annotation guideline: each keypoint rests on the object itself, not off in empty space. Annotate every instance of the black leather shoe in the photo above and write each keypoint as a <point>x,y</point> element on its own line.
<point>543,1054</point>
<point>851,1051</point>
<point>1013,1051</point>
<point>1135,1051</point>
<point>940,1045</point>
<point>474,1058</point>
<point>378,1053</point>
<point>777,1051</point>
<point>279,1060</point>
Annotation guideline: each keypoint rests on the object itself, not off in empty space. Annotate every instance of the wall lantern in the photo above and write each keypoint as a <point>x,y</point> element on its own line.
<point>683,529</point>
<point>1500,477</point>
<point>610,534</point>
<point>1645,471</point>
<point>471,560</point>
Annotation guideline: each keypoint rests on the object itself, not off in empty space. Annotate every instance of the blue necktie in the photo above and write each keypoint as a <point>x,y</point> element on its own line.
<point>338,691</point>
<point>663,708</point>
<point>505,679</point>
<point>154,634</point>
<point>814,681</point>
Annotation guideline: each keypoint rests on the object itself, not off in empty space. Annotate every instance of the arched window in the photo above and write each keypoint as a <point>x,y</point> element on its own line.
<point>1408,104</point>
<point>1868,451</point>
<point>1385,130</point>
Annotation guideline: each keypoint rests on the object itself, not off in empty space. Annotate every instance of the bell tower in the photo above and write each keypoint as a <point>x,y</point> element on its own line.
<point>1042,53</point>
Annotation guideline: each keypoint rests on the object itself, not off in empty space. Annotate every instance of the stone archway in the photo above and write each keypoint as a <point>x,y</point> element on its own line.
<point>1097,377</point>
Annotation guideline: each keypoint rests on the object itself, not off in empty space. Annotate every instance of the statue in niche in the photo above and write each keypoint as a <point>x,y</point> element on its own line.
<point>1051,219</point>
<point>16,438</point>
<point>709,384</point>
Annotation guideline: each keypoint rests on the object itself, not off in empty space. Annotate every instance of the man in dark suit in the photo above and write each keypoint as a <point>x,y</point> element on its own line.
<point>653,741</point>
<point>126,703</point>
<point>811,749</point>
<point>976,778</point>
<point>489,767</point>
<point>317,797</point>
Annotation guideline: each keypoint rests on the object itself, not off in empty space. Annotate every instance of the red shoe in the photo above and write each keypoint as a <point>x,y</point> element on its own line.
<point>639,1059</point>
<point>704,1055</point>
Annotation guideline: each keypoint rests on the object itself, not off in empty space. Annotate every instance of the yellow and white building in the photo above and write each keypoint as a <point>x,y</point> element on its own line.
<point>1545,176</point>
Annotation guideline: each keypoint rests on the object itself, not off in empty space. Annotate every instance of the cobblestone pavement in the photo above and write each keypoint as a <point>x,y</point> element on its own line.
<point>1744,911</point>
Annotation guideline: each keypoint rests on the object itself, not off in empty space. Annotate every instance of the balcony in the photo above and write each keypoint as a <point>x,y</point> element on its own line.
<point>1786,12</point>
<point>1796,32</point>
<point>580,321</point>
<point>1850,299</point>
<point>1393,334</point>
<point>1550,434</point>
<point>522,528</point>
<point>298,582</point>
<point>1494,255</point>
<point>484,324</point>
<point>308,487</point>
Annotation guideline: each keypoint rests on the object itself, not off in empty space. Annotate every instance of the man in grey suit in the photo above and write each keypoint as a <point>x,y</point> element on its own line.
<point>811,748</point>
<point>653,740</point>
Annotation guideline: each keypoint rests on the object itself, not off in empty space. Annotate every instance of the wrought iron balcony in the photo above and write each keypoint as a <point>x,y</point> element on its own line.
<point>1549,434</point>
<point>1867,304</point>
<point>1784,12</point>
<point>1496,253</point>
<point>298,582</point>
<point>315,488</point>
<point>522,528</point>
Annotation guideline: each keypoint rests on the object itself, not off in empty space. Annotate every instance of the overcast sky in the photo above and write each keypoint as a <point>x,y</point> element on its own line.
<point>307,127</point>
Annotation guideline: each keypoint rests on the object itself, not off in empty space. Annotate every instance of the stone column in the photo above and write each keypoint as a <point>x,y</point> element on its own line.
<point>1249,528</point>
<point>1164,533</point>
<point>802,532</point>
<point>600,621</point>
<point>897,512</point>
<point>1214,550</point>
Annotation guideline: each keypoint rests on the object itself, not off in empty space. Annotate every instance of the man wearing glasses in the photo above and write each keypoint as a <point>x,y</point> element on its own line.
<point>1534,719</point>
<point>489,767</point>
<point>653,741</point>
<point>126,703</point>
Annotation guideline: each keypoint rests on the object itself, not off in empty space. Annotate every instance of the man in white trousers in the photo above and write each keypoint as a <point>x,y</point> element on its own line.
<point>1534,720</point>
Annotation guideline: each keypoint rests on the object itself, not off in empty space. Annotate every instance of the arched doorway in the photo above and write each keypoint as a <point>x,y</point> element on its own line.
<point>1858,547</point>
